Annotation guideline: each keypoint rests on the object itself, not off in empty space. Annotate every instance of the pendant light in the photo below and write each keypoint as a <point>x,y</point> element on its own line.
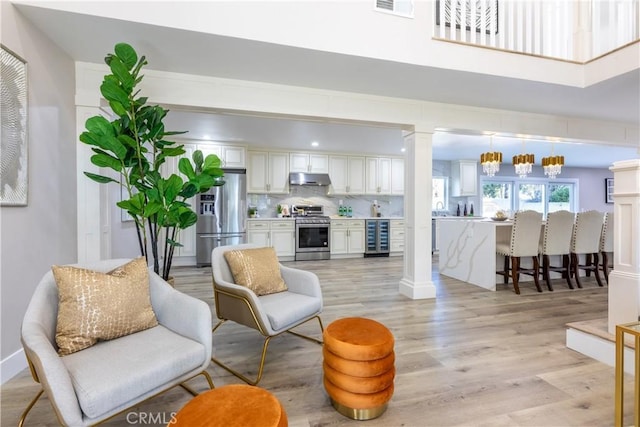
<point>552,165</point>
<point>523,163</point>
<point>491,160</point>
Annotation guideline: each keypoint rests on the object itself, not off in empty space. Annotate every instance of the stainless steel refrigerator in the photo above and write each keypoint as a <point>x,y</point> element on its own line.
<point>222,214</point>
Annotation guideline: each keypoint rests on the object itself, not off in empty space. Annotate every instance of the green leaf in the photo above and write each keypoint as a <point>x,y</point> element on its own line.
<point>99,178</point>
<point>212,162</point>
<point>122,73</point>
<point>189,190</point>
<point>184,166</point>
<point>127,54</point>
<point>89,138</point>
<point>174,243</point>
<point>198,159</point>
<point>113,144</point>
<point>187,219</point>
<point>105,161</point>
<point>118,108</point>
<point>99,125</point>
<point>113,92</point>
<point>152,208</point>
<point>127,140</point>
<point>172,188</point>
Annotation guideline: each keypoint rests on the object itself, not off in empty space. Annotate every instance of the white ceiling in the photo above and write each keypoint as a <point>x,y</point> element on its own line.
<point>204,54</point>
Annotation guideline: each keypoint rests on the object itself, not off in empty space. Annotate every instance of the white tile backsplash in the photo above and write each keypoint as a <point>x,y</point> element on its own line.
<point>390,206</point>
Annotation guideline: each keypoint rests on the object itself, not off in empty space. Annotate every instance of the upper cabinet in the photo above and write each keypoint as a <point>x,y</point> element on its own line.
<point>464,178</point>
<point>347,174</point>
<point>267,172</point>
<point>309,162</point>
<point>232,156</point>
<point>378,172</point>
<point>378,175</point>
<point>397,176</point>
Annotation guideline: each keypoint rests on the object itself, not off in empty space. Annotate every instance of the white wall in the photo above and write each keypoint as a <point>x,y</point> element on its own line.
<point>44,232</point>
<point>355,29</point>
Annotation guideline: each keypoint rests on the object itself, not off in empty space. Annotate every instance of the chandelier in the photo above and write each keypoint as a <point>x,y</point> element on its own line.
<point>552,165</point>
<point>491,160</point>
<point>523,163</point>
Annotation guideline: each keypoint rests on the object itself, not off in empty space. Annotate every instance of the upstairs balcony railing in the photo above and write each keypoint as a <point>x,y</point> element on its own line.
<point>569,30</point>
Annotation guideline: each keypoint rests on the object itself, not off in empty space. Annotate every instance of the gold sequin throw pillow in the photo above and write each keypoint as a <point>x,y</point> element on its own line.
<point>95,306</point>
<point>258,269</point>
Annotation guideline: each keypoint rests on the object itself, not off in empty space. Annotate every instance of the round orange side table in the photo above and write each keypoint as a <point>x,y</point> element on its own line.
<point>234,405</point>
<point>358,367</point>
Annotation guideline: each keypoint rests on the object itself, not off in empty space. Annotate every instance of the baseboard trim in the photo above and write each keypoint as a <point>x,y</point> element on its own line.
<point>12,366</point>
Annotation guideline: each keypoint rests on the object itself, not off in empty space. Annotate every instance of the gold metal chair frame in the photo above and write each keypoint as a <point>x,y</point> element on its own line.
<point>262,332</point>
<point>23,417</point>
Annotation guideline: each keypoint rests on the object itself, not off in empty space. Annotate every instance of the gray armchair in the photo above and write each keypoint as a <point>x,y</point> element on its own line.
<point>271,315</point>
<point>96,383</point>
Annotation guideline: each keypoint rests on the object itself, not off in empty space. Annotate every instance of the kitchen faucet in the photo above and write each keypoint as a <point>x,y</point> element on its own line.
<point>441,206</point>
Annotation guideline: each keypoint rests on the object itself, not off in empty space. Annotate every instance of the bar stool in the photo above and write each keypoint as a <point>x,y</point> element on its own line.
<point>557,241</point>
<point>586,241</point>
<point>525,237</point>
<point>606,243</point>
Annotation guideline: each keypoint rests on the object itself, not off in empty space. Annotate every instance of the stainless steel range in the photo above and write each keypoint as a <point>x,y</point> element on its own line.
<point>313,231</point>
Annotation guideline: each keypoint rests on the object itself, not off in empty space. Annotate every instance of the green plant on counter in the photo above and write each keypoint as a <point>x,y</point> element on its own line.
<point>134,146</point>
<point>279,209</point>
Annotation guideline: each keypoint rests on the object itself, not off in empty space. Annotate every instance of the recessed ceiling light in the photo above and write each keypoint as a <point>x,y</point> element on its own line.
<point>315,143</point>
<point>402,149</point>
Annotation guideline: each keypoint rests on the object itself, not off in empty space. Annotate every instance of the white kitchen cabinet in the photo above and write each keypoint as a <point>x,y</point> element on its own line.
<point>378,175</point>
<point>234,157</point>
<point>397,176</point>
<point>464,178</point>
<point>347,237</point>
<point>267,172</point>
<point>347,174</point>
<point>396,237</point>
<point>231,156</point>
<point>279,234</point>
<point>308,162</point>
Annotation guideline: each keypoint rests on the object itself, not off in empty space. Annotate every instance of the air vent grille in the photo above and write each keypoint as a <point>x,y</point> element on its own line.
<point>385,4</point>
<point>396,7</point>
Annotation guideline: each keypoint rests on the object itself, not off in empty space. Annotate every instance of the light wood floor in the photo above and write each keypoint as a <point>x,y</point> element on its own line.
<point>471,357</point>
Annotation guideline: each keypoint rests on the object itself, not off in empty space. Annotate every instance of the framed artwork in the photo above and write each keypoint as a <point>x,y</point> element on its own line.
<point>608,190</point>
<point>13,118</point>
<point>472,16</point>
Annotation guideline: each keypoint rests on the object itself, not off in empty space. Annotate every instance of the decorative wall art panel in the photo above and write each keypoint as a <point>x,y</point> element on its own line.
<point>454,9</point>
<point>13,112</point>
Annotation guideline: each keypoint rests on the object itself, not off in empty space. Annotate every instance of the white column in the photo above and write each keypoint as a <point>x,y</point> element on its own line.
<point>624,280</point>
<point>416,282</point>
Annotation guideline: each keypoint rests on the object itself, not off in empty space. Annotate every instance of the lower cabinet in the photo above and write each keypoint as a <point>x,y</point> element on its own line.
<point>347,237</point>
<point>279,234</point>
<point>396,237</point>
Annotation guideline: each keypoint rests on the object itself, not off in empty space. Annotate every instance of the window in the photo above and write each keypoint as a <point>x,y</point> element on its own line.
<point>439,193</point>
<point>540,195</point>
<point>531,197</point>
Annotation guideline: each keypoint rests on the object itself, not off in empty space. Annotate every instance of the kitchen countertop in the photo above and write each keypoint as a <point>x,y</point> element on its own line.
<point>330,217</point>
<point>469,218</point>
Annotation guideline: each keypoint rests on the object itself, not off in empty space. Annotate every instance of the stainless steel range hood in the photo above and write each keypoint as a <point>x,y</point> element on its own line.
<point>312,179</point>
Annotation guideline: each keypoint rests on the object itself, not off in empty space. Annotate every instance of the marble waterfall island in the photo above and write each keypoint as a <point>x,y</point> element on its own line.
<point>468,249</point>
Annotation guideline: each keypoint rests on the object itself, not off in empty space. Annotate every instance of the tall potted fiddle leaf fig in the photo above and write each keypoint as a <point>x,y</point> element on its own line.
<point>134,146</point>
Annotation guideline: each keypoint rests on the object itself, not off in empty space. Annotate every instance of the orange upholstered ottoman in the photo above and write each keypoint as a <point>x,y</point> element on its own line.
<point>358,367</point>
<point>236,405</point>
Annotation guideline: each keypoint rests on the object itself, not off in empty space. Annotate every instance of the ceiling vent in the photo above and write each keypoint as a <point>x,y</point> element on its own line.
<point>396,7</point>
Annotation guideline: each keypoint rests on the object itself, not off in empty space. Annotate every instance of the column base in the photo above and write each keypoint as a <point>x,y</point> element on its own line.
<point>624,299</point>
<point>426,290</point>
